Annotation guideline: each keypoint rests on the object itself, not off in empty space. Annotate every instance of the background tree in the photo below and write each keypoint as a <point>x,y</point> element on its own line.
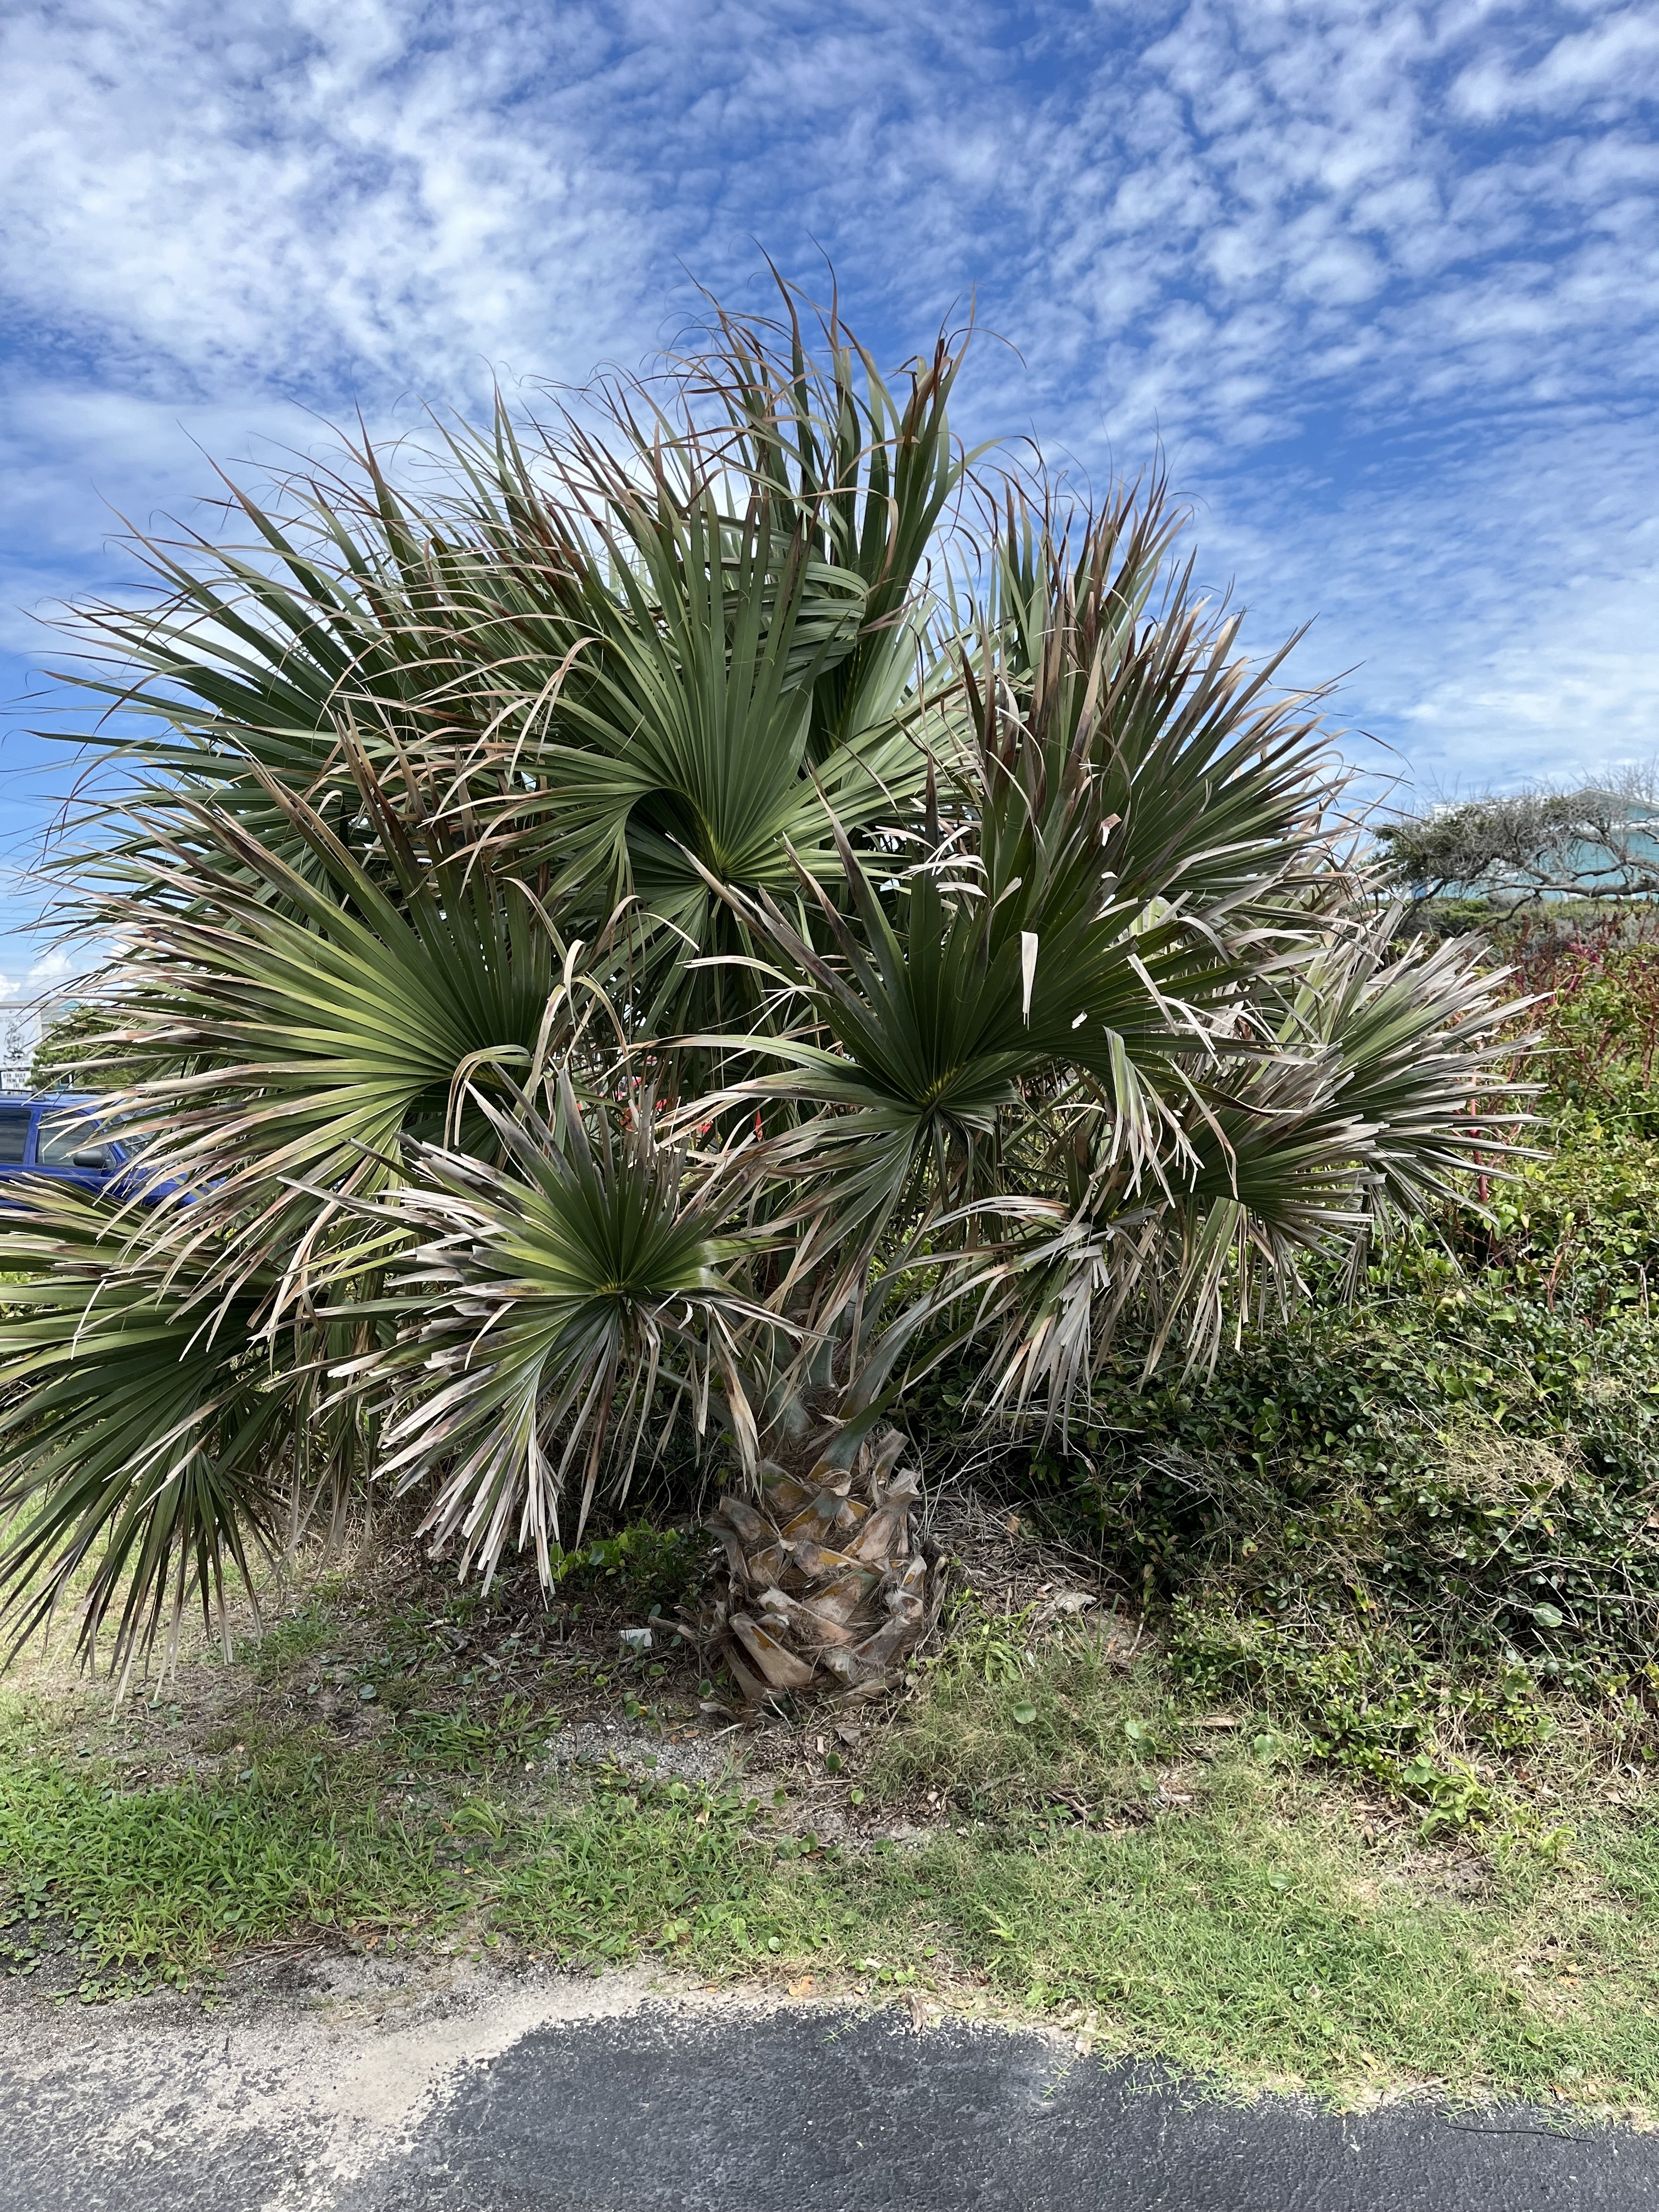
<point>1600,841</point>
<point>66,1056</point>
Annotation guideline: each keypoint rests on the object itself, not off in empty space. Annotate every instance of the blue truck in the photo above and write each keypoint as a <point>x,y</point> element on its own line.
<point>61,1137</point>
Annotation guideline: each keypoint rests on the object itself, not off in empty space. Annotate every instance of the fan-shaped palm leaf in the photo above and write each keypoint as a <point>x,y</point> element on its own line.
<point>279,1036</point>
<point>1217,783</point>
<point>147,1441</point>
<point>548,1305</point>
<point>1365,1116</point>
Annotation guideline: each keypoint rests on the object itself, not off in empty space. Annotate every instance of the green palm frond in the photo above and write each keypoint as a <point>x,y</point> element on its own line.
<point>279,1031</point>
<point>1372,1110</point>
<point>931,1041</point>
<point>550,1306</point>
<point>253,666</point>
<point>688,742</point>
<point>1419,1032</point>
<point>867,474</point>
<point>690,734</point>
<point>1220,785</point>
<point>148,1443</point>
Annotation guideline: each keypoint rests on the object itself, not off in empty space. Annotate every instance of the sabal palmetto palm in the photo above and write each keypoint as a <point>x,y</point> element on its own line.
<point>622,942</point>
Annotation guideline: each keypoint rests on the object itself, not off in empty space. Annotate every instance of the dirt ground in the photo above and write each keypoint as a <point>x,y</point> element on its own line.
<point>358,1638</point>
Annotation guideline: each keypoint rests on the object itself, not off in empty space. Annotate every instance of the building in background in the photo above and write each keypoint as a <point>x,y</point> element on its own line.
<point>23,1024</point>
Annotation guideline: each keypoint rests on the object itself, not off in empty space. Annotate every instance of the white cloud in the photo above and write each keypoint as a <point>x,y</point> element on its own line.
<point>1374,273</point>
<point>54,970</point>
<point>308,195</point>
<point>1616,60</point>
<point>1500,610</point>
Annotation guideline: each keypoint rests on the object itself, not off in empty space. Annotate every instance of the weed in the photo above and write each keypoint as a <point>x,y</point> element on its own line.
<point>1070,1728</point>
<point>466,1741</point>
<point>995,1647</point>
<point>649,1570</point>
<point>164,1877</point>
<point>286,1643</point>
<point>1452,1797</point>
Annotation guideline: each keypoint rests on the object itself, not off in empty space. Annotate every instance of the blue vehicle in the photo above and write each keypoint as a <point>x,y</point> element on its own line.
<point>61,1139</point>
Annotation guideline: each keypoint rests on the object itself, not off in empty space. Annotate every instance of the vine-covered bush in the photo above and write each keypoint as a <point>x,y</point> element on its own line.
<point>1422,1515</point>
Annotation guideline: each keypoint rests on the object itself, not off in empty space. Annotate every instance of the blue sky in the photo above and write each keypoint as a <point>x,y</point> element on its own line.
<point>1382,281</point>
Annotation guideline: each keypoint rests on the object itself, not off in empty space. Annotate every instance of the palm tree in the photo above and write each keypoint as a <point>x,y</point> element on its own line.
<point>686,925</point>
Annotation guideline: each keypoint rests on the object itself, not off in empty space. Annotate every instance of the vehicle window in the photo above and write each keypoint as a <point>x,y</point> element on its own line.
<point>14,1135</point>
<point>63,1135</point>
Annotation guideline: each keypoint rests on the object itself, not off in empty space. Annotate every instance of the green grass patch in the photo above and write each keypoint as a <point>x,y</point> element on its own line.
<point>1015,1722</point>
<point>157,1882</point>
<point>1257,1928</point>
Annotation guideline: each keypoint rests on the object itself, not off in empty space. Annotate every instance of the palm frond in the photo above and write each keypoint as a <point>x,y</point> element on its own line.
<point>149,1445</point>
<point>1378,1103</point>
<point>278,1035</point>
<point>1218,786</point>
<point>867,474</point>
<point>550,1305</point>
<point>1420,1031</point>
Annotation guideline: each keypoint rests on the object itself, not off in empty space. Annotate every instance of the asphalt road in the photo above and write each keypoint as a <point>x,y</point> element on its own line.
<point>373,2094</point>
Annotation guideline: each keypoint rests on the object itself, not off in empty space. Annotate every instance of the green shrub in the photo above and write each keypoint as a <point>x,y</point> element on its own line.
<point>1411,1520</point>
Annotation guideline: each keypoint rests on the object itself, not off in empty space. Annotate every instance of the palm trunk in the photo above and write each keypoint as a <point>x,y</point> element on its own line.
<point>827,1587</point>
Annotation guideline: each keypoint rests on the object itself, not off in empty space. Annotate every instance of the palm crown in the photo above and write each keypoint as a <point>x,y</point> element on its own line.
<point>689,922</point>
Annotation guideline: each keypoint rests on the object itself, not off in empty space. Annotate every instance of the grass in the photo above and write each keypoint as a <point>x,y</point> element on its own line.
<point>163,1880</point>
<point>1376,1805</point>
<point>1080,1843</point>
<point>1239,1940</point>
